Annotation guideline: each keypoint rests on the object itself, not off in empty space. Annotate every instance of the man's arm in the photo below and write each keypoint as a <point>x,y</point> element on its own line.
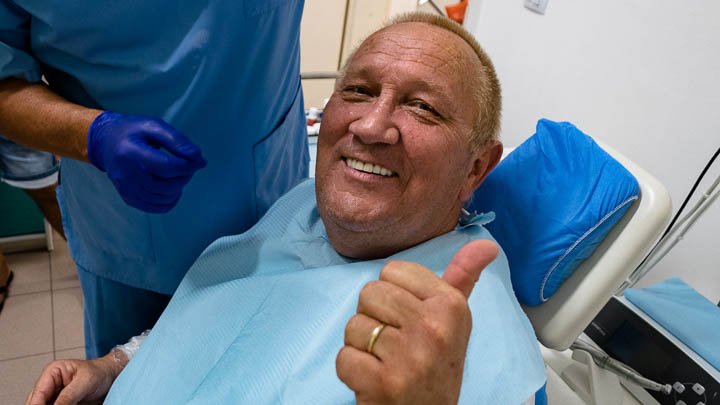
<point>75,381</point>
<point>148,161</point>
<point>31,114</point>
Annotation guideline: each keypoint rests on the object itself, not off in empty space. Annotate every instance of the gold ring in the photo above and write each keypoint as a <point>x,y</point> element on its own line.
<point>374,337</point>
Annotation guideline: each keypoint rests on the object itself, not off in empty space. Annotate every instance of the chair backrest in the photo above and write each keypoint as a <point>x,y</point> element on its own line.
<point>564,316</point>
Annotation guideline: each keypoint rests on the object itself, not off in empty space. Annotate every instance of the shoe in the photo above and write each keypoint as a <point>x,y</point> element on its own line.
<point>4,290</point>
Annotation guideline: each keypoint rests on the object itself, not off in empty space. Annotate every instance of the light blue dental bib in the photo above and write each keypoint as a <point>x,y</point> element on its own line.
<point>260,318</point>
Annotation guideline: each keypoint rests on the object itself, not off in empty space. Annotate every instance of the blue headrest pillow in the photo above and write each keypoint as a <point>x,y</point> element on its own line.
<point>555,199</point>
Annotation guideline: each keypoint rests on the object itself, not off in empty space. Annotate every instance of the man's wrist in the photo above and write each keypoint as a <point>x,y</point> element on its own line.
<point>114,362</point>
<point>84,121</point>
<point>133,345</point>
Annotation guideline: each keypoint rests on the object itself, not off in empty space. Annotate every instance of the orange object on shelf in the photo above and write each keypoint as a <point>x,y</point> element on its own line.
<point>456,12</point>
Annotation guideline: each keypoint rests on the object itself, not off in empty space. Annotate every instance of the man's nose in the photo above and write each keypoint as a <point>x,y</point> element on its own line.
<point>376,124</point>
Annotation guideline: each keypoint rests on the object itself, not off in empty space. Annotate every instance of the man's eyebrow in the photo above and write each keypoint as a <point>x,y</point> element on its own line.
<point>435,91</point>
<point>427,86</point>
<point>363,72</point>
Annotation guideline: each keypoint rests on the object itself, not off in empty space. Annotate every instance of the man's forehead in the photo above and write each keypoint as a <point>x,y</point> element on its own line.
<point>415,42</point>
<point>440,51</point>
<point>419,37</point>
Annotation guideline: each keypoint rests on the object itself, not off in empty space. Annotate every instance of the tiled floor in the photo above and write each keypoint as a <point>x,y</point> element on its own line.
<point>42,319</point>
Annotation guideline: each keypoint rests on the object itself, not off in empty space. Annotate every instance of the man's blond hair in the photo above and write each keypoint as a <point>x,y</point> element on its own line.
<point>487,91</point>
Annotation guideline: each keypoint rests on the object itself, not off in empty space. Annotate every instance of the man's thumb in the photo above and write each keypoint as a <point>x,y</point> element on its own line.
<point>464,269</point>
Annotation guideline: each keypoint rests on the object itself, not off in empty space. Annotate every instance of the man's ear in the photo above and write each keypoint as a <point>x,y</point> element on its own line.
<point>484,160</point>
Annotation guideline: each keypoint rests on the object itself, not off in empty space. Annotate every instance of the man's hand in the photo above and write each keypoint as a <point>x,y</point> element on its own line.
<point>148,161</point>
<point>65,382</point>
<point>418,358</point>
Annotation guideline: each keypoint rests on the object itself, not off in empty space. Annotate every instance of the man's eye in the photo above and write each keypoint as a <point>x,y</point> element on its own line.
<point>357,90</point>
<point>424,106</point>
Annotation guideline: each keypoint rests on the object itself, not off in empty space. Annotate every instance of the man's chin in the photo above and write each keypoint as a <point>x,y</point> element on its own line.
<point>363,244</point>
<point>358,223</point>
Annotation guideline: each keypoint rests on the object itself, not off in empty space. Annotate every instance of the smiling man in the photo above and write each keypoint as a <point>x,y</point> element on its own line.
<point>368,294</point>
<point>403,135</point>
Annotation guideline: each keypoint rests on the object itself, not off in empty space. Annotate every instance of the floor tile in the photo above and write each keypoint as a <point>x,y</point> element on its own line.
<point>68,315</point>
<point>19,376</point>
<point>62,267</point>
<point>77,353</point>
<point>26,326</point>
<point>57,238</point>
<point>32,272</point>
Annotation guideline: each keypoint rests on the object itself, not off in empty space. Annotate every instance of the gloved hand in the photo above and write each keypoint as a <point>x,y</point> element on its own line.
<point>148,161</point>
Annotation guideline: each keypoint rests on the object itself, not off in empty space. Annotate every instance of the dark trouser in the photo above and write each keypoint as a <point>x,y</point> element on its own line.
<point>115,312</point>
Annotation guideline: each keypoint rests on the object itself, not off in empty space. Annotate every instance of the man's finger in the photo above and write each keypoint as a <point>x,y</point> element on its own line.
<point>75,392</point>
<point>46,387</point>
<point>359,329</point>
<point>413,277</point>
<point>388,303</point>
<point>465,268</point>
<point>36,398</point>
<point>360,372</point>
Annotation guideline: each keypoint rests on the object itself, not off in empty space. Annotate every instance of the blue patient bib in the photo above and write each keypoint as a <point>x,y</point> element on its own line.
<point>260,318</point>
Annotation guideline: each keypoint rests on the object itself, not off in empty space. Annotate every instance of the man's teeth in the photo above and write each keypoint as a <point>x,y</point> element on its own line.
<point>368,167</point>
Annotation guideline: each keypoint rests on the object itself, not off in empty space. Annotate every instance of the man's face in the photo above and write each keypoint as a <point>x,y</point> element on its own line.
<point>394,163</point>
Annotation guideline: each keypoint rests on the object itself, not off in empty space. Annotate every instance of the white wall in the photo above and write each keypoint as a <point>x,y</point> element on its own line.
<point>640,75</point>
<point>321,33</point>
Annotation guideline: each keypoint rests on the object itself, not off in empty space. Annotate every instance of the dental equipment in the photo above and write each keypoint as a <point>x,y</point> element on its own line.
<point>619,368</point>
<point>659,251</point>
<point>668,331</point>
<point>319,75</point>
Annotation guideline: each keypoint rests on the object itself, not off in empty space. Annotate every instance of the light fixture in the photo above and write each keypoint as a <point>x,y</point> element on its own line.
<point>432,3</point>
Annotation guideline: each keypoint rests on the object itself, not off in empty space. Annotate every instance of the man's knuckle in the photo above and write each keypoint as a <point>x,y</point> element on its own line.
<point>457,302</point>
<point>420,361</point>
<point>437,332</point>
<point>368,289</point>
<point>395,295</point>
<point>390,268</point>
<point>350,326</point>
<point>342,365</point>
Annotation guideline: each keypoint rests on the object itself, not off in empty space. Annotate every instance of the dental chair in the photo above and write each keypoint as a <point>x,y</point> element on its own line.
<point>574,219</point>
<point>565,262</point>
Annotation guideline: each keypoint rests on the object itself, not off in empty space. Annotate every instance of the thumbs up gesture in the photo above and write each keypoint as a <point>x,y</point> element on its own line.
<point>407,342</point>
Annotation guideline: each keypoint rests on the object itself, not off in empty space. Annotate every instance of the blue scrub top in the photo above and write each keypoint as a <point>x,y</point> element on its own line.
<point>223,72</point>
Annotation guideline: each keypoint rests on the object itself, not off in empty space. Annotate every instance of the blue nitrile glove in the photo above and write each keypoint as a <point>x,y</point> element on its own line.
<point>148,161</point>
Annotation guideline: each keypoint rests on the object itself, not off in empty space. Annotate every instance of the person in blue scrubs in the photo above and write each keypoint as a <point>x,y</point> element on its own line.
<point>180,122</point>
